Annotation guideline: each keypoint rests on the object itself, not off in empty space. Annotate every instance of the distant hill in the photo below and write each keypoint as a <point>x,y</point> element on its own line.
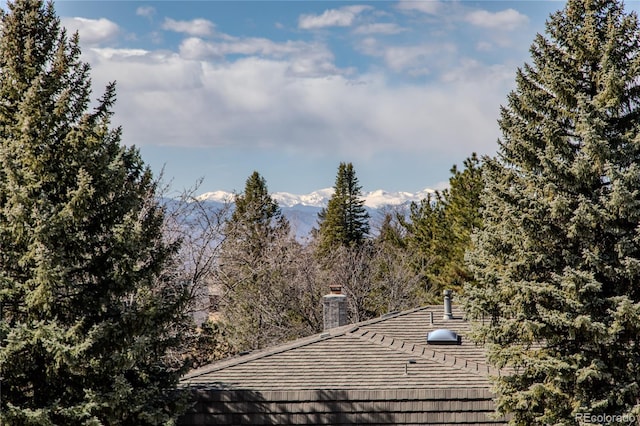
<point>302,210</point>
<point>320,198</point>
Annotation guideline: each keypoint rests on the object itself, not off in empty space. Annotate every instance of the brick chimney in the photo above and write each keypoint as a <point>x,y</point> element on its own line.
<point>334,308</point>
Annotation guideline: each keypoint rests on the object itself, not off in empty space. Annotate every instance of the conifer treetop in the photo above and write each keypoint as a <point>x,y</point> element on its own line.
<point>89,314</point>
<point>345,221</point>
<point>556,261</point>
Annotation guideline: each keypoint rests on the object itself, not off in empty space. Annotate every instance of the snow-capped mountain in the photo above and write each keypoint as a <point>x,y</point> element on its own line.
<point>302,210</point>
<point>320,198</point>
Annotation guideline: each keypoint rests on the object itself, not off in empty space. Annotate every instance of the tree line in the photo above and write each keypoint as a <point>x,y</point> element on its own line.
<point>271,285</point>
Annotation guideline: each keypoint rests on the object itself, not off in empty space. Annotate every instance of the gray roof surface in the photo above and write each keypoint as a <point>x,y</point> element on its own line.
<point>371,355</point>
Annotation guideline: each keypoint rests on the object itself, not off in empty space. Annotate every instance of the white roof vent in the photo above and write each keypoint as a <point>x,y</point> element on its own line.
<point>443,336</point>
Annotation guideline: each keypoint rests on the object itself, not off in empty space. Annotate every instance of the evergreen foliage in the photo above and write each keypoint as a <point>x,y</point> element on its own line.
<point>345,221</point>
<point>438,232</point>
<point>258,272</point>
<point>256,219</point>
<point>392,230</point>
<point>557,261</point>
<point>212,343</point>
<point>255,207</point>
<point>89,312</point>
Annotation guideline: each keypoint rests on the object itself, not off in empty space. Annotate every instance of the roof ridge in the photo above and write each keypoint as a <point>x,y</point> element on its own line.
<point>424,352</point>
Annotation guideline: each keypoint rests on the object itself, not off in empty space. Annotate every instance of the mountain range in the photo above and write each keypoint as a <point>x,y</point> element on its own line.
<point>302,210</point>
<point>374,199</point>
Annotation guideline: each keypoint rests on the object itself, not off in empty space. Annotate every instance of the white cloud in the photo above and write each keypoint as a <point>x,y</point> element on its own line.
<point>195,27</point>
<point>379,28</point>
<point>414,59</point>
<point>112,53</point>
<point>431,7</point>
<point>196,48</point>
<point>92,31</point>
<point>400,58</point>
<point>342,17</point>
<point>470,71</point>
<point>146,11</point>
<point>304,58</point>
<point>166,99</point>
<point>138,65</point>
<point>508,19</point>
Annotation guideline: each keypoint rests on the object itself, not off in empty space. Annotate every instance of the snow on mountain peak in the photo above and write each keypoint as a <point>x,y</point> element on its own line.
<point>320,198</point>
<point>217,196</point>
<point>380,198</point>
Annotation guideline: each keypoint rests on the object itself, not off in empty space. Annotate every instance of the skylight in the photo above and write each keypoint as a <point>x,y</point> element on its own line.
<point>443,336</point>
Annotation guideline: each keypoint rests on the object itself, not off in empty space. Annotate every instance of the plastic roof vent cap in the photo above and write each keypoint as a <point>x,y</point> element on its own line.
<point>443,337</point>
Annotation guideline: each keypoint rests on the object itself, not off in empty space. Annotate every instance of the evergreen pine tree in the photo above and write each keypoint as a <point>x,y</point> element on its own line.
<point>255,268</point>
<point>462,207</point>
<point>88,313</point>
<point>439,230</point>
<point>429,240</point>
<point>392,230</point>
<point>257,218</point>
<point>344,222</point>
<point>557,261</point>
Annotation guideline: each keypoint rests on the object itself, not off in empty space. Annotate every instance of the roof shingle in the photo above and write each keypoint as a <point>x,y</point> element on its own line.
<point>353,370</point>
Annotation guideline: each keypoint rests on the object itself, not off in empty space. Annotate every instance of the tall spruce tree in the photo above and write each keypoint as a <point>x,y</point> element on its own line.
<point>439,231</point>
<point>256,215</point>
<point>344,222</point>
<point>557,262</point>
<point>462,208</point>
<point>430,241</point>
<point>255,269</point>
<point>87,312</point>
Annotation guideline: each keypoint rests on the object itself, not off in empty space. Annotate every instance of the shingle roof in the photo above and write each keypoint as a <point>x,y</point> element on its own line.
<point>356,374</point>
<point>372,355</point>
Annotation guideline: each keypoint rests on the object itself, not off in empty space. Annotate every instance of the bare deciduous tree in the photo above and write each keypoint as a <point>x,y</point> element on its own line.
<point>197,227</point>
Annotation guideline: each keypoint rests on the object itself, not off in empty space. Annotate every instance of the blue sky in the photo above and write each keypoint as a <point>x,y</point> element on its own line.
<point>217,89</point>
